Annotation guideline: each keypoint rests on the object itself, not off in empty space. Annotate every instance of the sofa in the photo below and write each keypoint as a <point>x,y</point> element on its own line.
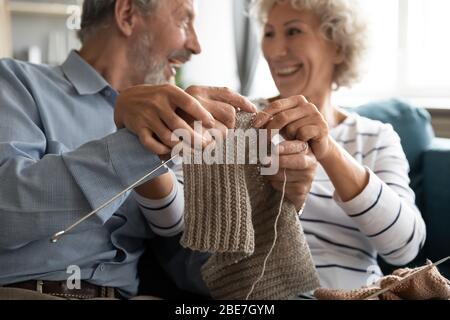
<point>429,160</point>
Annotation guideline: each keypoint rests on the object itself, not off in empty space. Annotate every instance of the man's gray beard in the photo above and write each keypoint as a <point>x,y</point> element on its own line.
<point>145,61</point>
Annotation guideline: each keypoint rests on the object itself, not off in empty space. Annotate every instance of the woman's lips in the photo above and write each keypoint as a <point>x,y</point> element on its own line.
<point>288,71</point>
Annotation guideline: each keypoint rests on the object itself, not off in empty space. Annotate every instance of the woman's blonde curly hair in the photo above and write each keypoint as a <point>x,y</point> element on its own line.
<point>341,23</point>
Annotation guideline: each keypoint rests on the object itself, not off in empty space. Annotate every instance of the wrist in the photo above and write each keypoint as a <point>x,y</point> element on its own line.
<point>333,154</point>
<point>157,188</point>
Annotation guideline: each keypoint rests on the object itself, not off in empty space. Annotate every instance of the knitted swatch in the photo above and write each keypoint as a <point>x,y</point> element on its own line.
<point>230,211</point>
<point>425,286</point>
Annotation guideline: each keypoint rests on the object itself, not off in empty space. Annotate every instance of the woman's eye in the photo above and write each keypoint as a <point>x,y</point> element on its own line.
<point>268,34</point>
<point>293,31</point>
<point>185,23</point>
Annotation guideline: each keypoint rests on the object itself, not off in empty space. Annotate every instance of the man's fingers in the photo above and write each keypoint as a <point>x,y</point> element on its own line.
<point>222,112</point>
<point>230,97</point>
<point>176,123</point>
<point>150,143</point>
<point>276,107</point>
<point>192,107</point>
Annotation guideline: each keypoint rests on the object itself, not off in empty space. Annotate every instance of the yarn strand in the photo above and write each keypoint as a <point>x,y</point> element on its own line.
<point>274,238</point>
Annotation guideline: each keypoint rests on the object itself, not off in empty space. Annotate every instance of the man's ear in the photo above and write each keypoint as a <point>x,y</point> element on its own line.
<point>126,16</point>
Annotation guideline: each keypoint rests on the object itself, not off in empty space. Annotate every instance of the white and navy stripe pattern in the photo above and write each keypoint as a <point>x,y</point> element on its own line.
<point>165,216</point>
<point>346,237</point>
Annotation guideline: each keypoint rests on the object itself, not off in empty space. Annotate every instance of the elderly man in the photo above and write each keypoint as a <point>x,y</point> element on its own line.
<point>73,136</point>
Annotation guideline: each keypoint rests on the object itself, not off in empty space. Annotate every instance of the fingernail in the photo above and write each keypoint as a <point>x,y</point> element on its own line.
<point>305,146</point>
<point>257,122</point>
<point>212,121</point>
<point>281,149</point>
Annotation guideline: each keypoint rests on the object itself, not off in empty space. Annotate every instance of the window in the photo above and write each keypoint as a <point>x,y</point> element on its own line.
<point>408,56</point>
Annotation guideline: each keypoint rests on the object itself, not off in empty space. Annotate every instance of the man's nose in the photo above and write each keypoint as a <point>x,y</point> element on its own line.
<point>193,43</point>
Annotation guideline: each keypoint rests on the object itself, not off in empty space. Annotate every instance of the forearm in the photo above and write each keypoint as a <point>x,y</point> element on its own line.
<point>347,175</point>
<point>158,188</point>
<point>165,214</point>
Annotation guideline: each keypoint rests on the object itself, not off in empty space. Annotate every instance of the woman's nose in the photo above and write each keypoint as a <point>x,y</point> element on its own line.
<point>278,48</point>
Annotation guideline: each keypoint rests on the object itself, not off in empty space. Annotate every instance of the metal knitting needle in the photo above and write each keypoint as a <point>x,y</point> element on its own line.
<point>58,235</point>
<point>392,286</point>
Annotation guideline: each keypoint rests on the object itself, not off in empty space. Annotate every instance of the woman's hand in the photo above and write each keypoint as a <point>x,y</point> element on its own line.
<point>303,121</point>
<point>298,119</point>
<point>299,163</point>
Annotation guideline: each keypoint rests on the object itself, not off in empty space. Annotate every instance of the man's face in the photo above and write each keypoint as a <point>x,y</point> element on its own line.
<point>166,41</point>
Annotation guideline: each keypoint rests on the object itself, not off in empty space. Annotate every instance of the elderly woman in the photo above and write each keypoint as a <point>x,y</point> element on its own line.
<point>360,204</point>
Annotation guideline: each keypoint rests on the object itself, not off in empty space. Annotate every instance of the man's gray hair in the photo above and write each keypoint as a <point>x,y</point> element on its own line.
<point>97,13</point>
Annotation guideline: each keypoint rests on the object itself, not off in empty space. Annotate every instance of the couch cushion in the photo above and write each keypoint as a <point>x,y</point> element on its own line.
<point>413,125</point>
<point>437,201</point>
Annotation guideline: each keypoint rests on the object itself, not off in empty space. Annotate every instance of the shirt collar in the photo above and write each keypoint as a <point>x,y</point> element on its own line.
<point>83,76</point>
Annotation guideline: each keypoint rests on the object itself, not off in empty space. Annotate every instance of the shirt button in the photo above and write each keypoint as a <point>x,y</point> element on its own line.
<point>102,267</point>
<point>108,93</point>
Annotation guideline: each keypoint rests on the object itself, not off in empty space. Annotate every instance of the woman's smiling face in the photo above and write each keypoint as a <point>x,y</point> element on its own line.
<point>301,60</point>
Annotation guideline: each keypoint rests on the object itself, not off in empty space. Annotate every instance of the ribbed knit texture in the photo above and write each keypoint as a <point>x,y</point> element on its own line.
<point>230,211</point>
<point>426,285</point>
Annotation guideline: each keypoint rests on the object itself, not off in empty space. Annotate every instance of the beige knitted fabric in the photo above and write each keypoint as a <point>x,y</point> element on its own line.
<point>230,211</point>
<point>425,286</point>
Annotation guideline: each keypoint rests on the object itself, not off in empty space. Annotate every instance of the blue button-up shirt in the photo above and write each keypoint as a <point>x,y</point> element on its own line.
<point>61,156</point>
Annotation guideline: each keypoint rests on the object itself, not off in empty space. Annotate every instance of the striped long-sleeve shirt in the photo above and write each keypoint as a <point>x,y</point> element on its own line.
<point>346,237</point>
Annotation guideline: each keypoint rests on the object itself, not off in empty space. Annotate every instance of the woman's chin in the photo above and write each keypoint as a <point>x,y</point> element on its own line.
<point>289,92</point>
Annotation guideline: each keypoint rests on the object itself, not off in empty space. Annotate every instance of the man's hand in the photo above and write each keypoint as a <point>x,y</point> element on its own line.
<point>222,103</point>
<point>154,112</point>
<point>150,113</point>
<point>300,165</point>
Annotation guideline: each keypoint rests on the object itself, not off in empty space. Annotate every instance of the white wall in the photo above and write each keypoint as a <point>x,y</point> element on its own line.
<point>216,65</point>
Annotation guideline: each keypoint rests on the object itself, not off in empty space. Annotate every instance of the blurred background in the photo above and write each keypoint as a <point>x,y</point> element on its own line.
<point>409,56</point>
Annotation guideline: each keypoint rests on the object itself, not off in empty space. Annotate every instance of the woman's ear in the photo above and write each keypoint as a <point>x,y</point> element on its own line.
<point>339,56</point>
<point>126,16</point>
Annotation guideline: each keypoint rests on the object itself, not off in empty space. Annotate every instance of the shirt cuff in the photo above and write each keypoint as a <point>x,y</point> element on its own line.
<point>130,160</point>
<point>363,203</point>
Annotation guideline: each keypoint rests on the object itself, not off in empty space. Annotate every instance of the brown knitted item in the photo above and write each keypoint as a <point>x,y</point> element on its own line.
<point>426,285</point>
<point>230,211</point>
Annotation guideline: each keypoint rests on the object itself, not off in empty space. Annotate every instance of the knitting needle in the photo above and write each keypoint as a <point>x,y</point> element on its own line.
<point>392,286</point>
<point>58,235</point>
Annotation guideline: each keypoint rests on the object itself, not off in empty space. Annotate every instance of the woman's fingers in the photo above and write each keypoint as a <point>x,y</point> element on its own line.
<point>292,147</point>
<point>296,161</point>
<point>262,118</point>
<point>283,119</point>
<point>299,176</point>
<point>309,132</point>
